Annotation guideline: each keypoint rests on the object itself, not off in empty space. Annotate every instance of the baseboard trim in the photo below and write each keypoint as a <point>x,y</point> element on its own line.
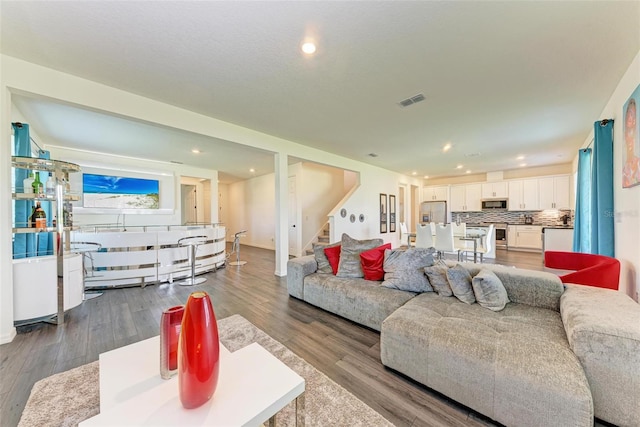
<point>8,337</point>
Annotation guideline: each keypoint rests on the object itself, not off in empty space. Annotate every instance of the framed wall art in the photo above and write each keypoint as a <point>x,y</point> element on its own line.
<point>392,213</point>
<point>383,213</point>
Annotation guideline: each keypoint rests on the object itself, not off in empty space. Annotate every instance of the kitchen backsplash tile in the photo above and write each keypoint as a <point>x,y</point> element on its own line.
<point>545,218</point>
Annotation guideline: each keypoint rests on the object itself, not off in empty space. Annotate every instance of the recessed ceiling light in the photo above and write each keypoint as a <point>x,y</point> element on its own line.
<point>446,147</point>
<point>521,157</point>
<point>459,166</point>
<point>468,171</point>
<point>309,48</point>
<point>426,177</point>
<point>252,170</point>
<point>195,151</point>
<point>414,173</point>
<point>523,165</point>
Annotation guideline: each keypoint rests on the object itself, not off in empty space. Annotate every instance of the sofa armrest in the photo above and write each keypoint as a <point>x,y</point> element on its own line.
<point>603,329</point>
<point>297,269</point>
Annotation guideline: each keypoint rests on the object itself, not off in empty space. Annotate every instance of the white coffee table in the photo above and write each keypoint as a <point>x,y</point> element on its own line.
<point>252,387</point>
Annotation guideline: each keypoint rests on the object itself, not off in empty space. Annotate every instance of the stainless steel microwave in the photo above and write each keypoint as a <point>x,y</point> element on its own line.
<point>494,204</point>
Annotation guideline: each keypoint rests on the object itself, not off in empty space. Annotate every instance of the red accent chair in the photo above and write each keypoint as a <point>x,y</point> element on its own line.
<point>591,270</point>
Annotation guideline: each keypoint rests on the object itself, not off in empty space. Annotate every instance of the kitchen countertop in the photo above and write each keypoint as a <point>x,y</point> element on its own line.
<point>558,227</point>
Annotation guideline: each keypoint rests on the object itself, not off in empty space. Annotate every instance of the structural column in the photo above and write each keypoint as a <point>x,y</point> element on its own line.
<point>282,212</point>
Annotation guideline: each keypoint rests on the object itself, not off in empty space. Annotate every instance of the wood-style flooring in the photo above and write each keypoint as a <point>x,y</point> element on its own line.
<point>346,352</point>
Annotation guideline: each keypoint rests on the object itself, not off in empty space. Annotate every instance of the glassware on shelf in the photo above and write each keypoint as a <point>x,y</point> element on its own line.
<point>50,187</point>
<point>27,183</point>
<point>37,186</point>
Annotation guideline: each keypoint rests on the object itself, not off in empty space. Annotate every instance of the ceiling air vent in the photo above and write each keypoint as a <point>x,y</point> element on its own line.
<point>410,101</point>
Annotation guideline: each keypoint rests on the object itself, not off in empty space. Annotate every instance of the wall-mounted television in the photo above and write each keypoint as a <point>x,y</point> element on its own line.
<point>116,192</point>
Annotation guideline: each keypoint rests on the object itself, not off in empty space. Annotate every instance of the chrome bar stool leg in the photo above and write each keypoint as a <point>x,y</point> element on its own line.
<point>192,246</point>
<point>236,248</point>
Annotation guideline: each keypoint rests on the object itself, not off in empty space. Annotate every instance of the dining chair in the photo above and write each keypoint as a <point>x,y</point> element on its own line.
<point>424,238</point>
<point>487,243</point>
<point>404,235</point>
<point>444,240</point>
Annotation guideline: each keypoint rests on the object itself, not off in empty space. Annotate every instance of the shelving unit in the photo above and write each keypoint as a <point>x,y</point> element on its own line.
<point>60,172</point>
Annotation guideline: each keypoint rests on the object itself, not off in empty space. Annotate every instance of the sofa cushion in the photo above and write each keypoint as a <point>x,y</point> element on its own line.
<point>404,269</point>
<point>372,262</point>
<point>460,282</point>
<point>514,366</point>
<point>321,258</point>
<point>362,301</point>
<point>535,288</point>
<point>489,290</point>
<point>603,329</point>
<point>333,256</point>
<point>350,266</point>
<point>437,275</point>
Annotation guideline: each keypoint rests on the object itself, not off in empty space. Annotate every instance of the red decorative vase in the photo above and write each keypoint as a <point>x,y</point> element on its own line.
<point>199,352</point>
<point>170,325</point>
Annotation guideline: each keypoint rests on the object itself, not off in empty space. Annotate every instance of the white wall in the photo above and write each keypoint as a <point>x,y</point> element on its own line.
<point>626,200</point>
<point>169,174</point>
<point>321,188</point>
<point>223,207</point>
<point>252,208</point>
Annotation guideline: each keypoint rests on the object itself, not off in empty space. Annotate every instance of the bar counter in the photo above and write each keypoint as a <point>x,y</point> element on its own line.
<point>144,255</point>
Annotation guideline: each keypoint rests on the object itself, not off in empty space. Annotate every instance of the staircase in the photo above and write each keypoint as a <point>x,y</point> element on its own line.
<point>321,239</point>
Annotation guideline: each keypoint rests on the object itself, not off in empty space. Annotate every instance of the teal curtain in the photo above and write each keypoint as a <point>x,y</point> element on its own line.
<point>24,245</point>
<point>602,213</point>
<point>582,222</point>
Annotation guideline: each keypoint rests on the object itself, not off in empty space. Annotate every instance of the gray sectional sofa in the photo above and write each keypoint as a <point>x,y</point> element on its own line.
<point>554,356</point>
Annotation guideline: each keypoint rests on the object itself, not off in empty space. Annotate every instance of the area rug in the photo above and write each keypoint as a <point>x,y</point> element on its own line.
<point>67,398</point>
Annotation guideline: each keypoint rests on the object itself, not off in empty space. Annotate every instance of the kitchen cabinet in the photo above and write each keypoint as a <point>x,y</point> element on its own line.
<point>436,193</point>
<point>525,237</point>
<point>466,198</point>
<point>523,195</point>
<point>495,190</point>
<point>555,192</point>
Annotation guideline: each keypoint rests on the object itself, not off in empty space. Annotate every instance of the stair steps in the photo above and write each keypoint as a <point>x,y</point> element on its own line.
<point>322,239</point>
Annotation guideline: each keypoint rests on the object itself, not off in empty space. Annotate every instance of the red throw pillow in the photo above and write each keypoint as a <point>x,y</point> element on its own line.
<point>333,255</point>
<point>372,261</point>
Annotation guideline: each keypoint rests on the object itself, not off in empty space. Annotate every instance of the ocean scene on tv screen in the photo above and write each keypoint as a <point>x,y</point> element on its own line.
<point>105,191</point>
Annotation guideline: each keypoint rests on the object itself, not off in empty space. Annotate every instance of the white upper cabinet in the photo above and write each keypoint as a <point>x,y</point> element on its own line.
<point>555,192</point>
<point>438,193</point>
<point>465,198</point>
<point>523,195</point>
<point>495,190</point>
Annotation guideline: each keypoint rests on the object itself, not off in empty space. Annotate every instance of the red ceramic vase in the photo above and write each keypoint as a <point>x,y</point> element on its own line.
<point>170,325</point>
<point>199,352</point>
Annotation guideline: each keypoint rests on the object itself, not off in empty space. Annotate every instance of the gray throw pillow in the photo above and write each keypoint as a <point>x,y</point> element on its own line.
<point>321,258</point>
<point>437,275</point>
<point>349,265</point>
<point>404,270</point>
<point>489,290</point>
<point>460,282</point>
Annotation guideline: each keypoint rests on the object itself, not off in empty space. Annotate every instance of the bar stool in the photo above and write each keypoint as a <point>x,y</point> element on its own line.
<point>192,243</point>
<point>236,248</point>
<point>85,249</point>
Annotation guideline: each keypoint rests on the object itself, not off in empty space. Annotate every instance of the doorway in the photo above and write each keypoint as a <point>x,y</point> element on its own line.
<point>189,204</point>
<point>293,218</point>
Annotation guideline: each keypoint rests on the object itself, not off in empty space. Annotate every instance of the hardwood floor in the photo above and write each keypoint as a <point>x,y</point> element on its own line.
<point>346,352</point>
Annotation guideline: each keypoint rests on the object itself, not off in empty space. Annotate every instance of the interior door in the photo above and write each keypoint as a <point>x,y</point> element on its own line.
<point>293,218</point>
<point>189,204</point>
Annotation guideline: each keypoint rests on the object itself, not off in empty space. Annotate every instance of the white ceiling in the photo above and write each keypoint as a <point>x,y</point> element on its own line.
<point>501,79</point>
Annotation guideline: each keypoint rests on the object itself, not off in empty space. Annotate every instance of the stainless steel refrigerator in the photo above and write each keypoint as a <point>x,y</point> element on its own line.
<point>433,212</point>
